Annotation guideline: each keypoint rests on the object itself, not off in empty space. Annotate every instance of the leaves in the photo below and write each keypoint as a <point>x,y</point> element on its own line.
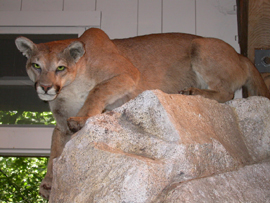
<point>26,117</point>
<point>20,178</point>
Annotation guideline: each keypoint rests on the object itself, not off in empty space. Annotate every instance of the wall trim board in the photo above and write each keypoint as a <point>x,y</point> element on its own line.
<point>50,18</point>
<point>25,140</point>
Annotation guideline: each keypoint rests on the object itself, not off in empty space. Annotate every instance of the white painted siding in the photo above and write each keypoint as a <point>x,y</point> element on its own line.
<point>128,18</point>
<point>81,5</point>
<point>42,5</point>
<point>179,16</point>
<point>10,5</point>
<point>217,18</point>
<point>149,17</point>
<point>119,17</point>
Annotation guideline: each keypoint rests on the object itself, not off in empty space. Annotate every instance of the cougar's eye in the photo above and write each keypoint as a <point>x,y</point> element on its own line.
<point>36,66</point>
<point>60,68</point>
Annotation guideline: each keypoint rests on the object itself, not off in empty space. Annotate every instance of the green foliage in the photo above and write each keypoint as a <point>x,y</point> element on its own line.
<point>26,117</point>
<point>20,178</point>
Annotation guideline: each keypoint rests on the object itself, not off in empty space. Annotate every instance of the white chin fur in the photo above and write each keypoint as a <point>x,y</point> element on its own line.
<point>47,97</point>
<point>50,95</point>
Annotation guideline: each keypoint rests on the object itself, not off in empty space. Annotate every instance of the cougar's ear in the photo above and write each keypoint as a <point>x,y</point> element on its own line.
<point>26,46</point>
<point>75,50</point>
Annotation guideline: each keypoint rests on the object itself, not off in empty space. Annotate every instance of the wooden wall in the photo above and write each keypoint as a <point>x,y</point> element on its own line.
<point>258,26</point>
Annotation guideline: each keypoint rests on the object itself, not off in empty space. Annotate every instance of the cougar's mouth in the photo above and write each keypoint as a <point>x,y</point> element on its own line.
<point>46,94</point>
<point>47,97</point>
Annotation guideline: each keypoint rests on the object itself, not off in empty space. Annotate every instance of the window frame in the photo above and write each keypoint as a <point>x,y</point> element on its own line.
<point>25,140</point>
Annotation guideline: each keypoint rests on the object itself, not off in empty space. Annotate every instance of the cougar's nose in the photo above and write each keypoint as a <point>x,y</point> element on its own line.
<point>46,87</point>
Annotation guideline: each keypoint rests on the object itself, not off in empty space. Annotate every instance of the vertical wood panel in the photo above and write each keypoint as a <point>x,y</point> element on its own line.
<point>119,17</point>
<point>10,5</point>
<point>258,26</point>
<point>217,18</point>
<point>149,17</point>
<point>79,5</point>
<point>242,22</point>
<point>42,5</point>
<point>179,16</point>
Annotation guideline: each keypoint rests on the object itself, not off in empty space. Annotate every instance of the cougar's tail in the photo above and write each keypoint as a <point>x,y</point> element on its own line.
<point>266,78</point>
<point>255,85</point>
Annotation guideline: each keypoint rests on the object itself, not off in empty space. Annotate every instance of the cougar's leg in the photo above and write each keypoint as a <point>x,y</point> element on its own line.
<point>218,69</point>
<point>218,95</point>
<point>59,140</point>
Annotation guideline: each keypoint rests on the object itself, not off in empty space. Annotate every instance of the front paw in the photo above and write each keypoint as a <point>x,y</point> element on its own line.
<point>76,123</point>
<point>188,91</point>
<point>45,188</point>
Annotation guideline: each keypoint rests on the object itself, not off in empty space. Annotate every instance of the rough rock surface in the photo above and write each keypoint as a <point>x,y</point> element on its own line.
<point>248,184</point>
<point>253,117</point>
<point>152,147</point>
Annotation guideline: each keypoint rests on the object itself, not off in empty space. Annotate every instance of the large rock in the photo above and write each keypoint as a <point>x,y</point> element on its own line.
<point>253,117</point>
<point>152,145</point>
<point>248,184</point>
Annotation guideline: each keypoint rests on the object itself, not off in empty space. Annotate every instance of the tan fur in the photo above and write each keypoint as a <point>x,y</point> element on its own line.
<point>266,78</point>
<point>102,74</point>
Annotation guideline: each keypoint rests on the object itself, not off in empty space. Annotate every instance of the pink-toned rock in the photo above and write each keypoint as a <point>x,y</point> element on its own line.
<point>143,150</point>
<point>253,115</point>
<point>248,184</point>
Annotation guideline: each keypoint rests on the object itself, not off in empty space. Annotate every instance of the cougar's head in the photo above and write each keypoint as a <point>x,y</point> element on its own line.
<point>51,66</point>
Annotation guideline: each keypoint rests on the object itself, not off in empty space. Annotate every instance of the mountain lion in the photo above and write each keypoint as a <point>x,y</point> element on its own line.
<point>83,77</point>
